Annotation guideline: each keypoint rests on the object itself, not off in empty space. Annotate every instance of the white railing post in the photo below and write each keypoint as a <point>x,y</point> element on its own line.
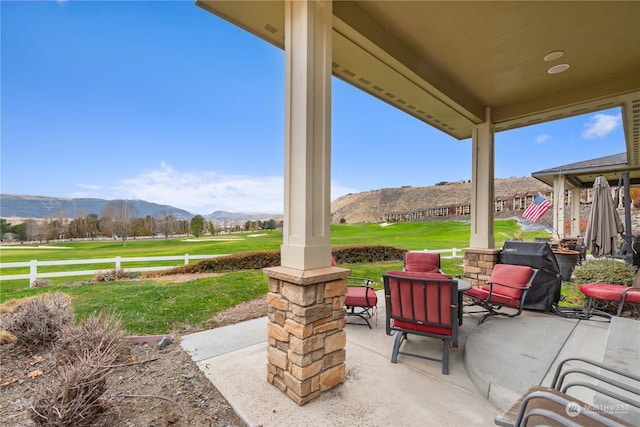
<point>454,252</point>
<point>118,262</point>
<point>186,259</point>
<point>33,271</point>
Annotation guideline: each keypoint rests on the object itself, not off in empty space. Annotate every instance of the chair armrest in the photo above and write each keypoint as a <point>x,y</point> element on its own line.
<point>363,281</point>
<point>563,402</point>
<point>558,379</point>
<point>602,376</point>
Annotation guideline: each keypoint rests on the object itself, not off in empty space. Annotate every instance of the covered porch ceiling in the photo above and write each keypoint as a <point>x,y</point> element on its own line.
<point>447,62</point>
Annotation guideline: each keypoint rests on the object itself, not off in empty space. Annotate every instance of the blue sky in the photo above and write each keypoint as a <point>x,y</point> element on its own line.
<point>165,102</point>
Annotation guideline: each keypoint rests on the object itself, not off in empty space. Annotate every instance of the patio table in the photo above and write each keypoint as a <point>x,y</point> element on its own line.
<point>463,285</point>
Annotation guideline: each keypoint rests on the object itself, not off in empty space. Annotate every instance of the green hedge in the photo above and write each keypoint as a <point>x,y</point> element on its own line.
<point>605,271</point>
<point>255,260</point>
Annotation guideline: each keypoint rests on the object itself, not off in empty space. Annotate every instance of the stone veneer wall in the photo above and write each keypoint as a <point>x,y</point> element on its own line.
<point>478,264</point>
<point>306,337</point>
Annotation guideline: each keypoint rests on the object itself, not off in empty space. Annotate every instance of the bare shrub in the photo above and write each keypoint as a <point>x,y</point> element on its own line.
<point>86,354</point>
<point>40,283</point>
<point>11,305</point>
<point>110,275</point>
<point>100,333</point>
<point>7,337</point>
<point>75,397</point>
<point>38,322</point>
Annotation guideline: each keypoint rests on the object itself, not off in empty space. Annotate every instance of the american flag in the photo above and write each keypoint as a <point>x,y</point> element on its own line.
<point>535,210</point>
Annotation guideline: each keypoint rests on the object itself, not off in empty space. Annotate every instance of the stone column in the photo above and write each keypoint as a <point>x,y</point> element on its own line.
<point>478,264</point>
<point>306,337</point>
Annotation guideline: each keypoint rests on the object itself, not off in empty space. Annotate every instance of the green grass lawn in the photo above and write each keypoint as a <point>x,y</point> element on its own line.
<point>148,306</point>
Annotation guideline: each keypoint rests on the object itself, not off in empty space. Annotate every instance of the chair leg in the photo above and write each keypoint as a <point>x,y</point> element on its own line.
<point>588,309</point>
<point>445,357</point>
<point>364,314</point>
<point>400,336</point>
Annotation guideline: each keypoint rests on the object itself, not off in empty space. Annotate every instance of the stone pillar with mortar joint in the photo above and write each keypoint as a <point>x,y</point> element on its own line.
<point>306,336</point>
<point>478,264</point>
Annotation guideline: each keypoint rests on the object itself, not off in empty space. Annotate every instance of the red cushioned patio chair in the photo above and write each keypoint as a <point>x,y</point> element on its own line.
<point>361,300</point>
<point>620,294</point>
<point>504,293</point>
<point>422,262</point>
<point>423,304</point>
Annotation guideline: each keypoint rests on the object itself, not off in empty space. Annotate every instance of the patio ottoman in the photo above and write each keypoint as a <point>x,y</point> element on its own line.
<point>610,292</point>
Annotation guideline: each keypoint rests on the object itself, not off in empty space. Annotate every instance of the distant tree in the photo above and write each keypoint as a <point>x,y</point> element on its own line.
<point>20,231</point>
<point>62,225</point>
<point>149,226</point>
<point>5,227</point>
<point>52,227</point>
<point>77,227</point>
<point>93,225</point>
<point>252,225</point>
<point>106,221</point>
<point>35,230</point>
<point>197,225</point>
<point>181,226</point>
<point>123,213</point>
<point>269,224</point>
<point>165,223</point>
<point>212,227</point>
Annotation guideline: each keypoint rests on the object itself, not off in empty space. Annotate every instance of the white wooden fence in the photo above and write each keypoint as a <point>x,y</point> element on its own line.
<point>116,262</point>
<point>455,252</point>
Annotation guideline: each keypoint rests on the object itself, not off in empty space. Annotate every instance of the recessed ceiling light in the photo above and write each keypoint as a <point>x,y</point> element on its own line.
<point>552,56</point>
<point>558,68</point>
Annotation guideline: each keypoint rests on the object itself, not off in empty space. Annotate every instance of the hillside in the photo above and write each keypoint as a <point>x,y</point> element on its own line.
<point>26,206</point>
<point>20,206</point>
<point>370,206</point>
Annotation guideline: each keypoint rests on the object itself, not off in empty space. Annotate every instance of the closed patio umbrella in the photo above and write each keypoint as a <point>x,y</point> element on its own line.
<point>604,223</point>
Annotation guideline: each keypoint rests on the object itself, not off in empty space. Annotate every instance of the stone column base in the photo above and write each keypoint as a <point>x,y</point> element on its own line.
<point>306,337</point>
<point>478,264</point>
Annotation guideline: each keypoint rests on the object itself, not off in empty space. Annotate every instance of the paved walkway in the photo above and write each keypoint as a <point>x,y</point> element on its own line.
<point>495,363</point>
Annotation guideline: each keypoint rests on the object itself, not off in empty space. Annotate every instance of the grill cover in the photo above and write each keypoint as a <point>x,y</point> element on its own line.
<point>545,289</point>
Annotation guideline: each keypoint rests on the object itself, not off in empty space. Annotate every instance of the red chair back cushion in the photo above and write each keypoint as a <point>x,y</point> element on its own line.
<point>412,302</point>
<point>513,275</point>
<point>425,262</point>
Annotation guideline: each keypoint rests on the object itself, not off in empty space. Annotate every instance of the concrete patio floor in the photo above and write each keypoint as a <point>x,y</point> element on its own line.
<point>494,364</point>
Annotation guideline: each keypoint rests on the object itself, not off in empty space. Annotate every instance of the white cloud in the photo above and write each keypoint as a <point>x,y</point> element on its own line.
<point>600,125</point>
<point>541,139</point>
<point>202,192</point>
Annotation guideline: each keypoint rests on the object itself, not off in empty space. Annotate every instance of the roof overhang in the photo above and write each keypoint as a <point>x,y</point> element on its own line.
<point>583,174</point>
<point>449,63</point>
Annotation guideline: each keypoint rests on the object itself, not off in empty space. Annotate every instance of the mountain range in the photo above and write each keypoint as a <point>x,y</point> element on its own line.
<point>27,206</point>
